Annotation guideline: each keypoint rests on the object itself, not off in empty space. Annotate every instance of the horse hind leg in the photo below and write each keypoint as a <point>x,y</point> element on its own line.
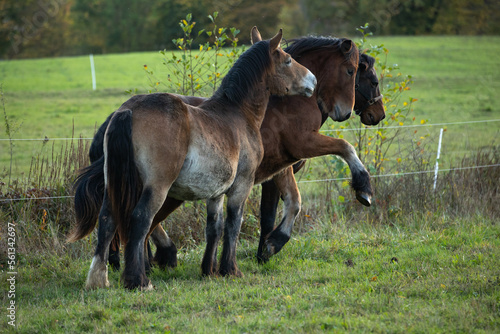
<point>213,234</point>
<point>98,273</point>
<point>134,274</point>
<point>275,240</point>
<point>166,252</point>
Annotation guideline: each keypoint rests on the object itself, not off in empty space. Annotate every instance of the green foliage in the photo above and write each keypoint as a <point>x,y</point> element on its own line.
<point>392,17</point>
<point>31,28</point>
<point>199,71</point>
<point>10,129</point>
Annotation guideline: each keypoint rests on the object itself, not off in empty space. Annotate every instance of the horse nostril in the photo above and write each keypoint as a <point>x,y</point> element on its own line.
<point>372,120</point>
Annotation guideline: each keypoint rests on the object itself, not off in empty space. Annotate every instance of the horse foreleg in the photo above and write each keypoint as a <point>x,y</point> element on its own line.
<point>213,233</point>
<point>318,145</point>
<point>98,273</point>
<point>285,182</point>
<point>360,176</point>
<point>166,252</point>
<point>150,202</point>
<point>268,206</point>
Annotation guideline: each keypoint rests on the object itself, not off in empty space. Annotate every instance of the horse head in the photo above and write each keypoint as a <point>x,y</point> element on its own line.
<point>287,76</point>
<point>369,105</point>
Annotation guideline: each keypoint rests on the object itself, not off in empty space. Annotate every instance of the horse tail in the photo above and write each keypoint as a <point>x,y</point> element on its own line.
<point>89,192</point>
<point>96,150</point>
<point>124,185</point>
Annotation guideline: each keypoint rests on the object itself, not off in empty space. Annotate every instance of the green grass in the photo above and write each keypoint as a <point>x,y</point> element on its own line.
<point>429,275</point>
<point>455,80</point>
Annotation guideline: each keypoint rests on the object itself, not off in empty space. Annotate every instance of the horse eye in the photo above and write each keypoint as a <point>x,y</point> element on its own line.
<point>350,72</point>
<point>374,83</point>
<point>288,61</point>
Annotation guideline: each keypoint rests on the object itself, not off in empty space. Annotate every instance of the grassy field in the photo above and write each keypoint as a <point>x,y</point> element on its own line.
<point>417,261</point>
<point>419,278</point>
<point>455,80</point>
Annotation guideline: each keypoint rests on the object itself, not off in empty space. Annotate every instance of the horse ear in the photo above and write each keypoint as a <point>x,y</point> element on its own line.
<point>275,42</point>
<point>255,35</point>
<point>346,46</point>
<point>363,65</point>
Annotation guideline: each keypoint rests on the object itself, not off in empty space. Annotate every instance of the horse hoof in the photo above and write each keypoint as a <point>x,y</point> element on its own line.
<point>262,259</point>
<point>93,286</point>
<point>267,251</point>
<point>235,272</point>
<point>364,198</point>
<point>149,287</point>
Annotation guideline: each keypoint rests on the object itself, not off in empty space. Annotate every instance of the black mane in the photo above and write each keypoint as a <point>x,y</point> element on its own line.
<point>307,44</point>
<point>245,73</point>
<point>369,60</point>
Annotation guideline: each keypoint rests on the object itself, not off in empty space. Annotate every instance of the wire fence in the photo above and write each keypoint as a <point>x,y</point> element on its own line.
<point>323,131</point>
<point>298,182</point>
<point>404,173</point>
<point>397,174</point>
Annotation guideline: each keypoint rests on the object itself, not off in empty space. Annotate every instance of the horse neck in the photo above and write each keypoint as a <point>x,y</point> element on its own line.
<point>255,104</point>
<point>252,107</point>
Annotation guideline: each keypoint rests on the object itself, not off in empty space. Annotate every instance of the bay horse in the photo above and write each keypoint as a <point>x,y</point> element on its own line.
<point>368,106</point>
<point>157,146</point>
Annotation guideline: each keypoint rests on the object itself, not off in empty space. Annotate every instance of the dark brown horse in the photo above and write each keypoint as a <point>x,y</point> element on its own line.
<point>333,66</point>
<point>370,108</point>
<point>157,146</point>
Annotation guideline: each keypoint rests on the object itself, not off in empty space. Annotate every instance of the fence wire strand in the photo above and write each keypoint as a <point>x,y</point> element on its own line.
<point>329,130</point>
<point>298,182</point>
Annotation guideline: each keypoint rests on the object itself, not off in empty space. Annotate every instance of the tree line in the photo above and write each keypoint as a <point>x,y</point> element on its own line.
<point>45,28</point>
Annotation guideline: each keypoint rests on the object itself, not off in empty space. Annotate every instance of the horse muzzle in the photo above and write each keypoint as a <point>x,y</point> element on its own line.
<point>308,85</point>
<point>340,114</point>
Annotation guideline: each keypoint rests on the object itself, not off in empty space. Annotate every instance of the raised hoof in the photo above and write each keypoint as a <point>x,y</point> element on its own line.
<point>364,198</point>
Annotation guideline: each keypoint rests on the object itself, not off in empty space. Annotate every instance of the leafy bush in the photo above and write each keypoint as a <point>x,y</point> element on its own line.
<point>198,71</point>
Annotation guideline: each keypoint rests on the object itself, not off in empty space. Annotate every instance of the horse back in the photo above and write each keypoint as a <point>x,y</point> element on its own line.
<point>160,134</point>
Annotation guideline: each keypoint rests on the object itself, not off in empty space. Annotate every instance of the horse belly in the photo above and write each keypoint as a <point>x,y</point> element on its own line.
<point>203,175</point>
